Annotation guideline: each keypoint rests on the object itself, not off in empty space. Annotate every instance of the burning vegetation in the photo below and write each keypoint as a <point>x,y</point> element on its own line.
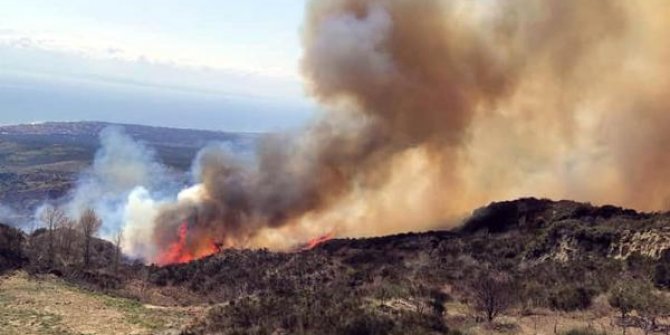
<point>507,266</point>
<point>186,249</point>
<point>423,121</point>
<point>431,109</point>
<point>428,118</point>
<point>313,243</point>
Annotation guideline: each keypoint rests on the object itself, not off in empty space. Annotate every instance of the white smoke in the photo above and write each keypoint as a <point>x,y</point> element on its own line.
<point>126,186</point>
<point>123,172</point>
<point>139,217</point>
<point>9,216</point>
<point>140,213</point>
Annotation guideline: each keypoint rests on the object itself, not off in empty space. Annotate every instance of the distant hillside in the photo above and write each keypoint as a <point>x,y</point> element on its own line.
<point>40,161</point>
<point>155,136</point>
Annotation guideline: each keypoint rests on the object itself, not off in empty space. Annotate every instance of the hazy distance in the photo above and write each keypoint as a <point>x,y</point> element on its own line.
<point>202,64</point>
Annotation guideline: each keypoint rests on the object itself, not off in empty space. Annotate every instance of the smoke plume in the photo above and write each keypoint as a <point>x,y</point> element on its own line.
<point>9,216</point>
<point>437,107</point>
<point>121,168</point>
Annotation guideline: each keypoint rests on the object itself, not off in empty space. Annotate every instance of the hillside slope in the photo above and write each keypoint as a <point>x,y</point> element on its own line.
<point>48,305</point>
<point>555,264</point>
<point>560,256</point>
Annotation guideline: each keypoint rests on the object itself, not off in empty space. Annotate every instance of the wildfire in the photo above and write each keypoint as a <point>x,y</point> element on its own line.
<point>313,243</point>
<point>179,252</point>
<point>189,246</point>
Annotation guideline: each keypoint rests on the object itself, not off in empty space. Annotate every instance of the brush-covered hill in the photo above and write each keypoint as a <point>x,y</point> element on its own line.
<point>546,262</point>
<point>517,236</point>
<point>559,256</point>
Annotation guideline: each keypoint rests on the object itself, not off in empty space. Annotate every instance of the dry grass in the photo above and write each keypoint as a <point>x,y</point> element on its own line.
<point>540,322</point>
<point>50,306</point>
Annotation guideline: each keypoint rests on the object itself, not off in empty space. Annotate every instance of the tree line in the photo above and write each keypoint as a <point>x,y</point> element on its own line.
<point>65,241</point>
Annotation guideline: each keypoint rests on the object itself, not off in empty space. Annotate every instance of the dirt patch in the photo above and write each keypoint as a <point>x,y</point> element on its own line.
<point>50,306</point>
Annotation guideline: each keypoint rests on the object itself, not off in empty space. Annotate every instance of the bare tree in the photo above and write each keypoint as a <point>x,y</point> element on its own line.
<point>655,307</point>
<point>638,294</point>
<point>118,239</point>
<point>492,293</point>
<point>53,218</point>
<point>89,223</point>
<point>68,239</point>
<point>628,295</point>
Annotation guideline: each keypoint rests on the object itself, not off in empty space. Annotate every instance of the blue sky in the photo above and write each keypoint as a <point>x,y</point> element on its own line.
<point>216,64</point>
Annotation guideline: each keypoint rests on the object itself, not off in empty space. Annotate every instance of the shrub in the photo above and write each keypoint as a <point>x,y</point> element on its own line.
<point>367,324</point>
<point>492,292</point>
<point>571,298</point>
<point>662,271</point>
<point>583,331</point>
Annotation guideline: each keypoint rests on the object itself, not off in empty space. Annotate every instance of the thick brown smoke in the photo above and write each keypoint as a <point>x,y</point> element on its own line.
<point>437,107</point>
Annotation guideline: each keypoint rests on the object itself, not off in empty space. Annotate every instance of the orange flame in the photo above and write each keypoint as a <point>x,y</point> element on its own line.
<point>180,251</point>
<point>188,247</point>
<point>313,243</point>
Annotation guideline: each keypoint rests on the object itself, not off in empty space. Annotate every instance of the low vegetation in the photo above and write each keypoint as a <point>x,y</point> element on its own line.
<point>48,305</point>
<point>529,267</point>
